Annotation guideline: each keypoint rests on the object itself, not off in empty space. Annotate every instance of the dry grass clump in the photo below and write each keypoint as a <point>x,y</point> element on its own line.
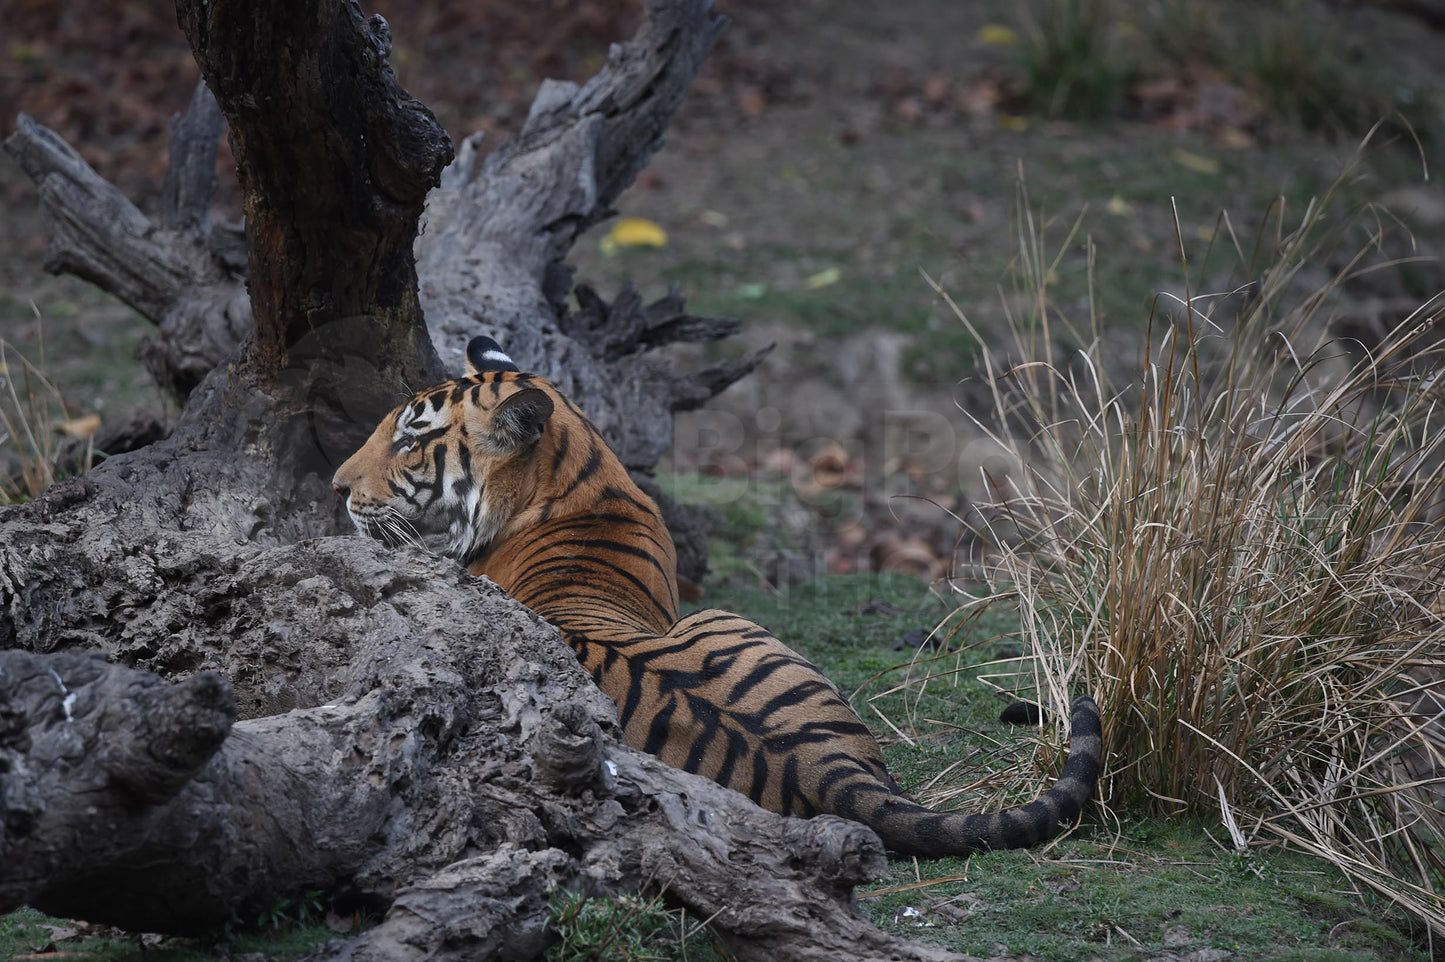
<point>37,438</point>
<point>1238,549</point>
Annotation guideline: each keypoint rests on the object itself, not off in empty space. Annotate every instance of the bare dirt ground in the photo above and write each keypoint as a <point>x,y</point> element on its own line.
<point>830,154</point>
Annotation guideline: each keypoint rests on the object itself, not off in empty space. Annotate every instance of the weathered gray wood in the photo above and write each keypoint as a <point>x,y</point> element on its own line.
<point>498,229</point>
<point>96,233</point>
<point>177,273</point>
<point>191,175</point>
<point>442,753</point>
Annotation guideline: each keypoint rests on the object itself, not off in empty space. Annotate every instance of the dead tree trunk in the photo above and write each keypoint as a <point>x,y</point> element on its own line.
<point>410,738</point>
<point>451,760</point>
<point>491,261</point>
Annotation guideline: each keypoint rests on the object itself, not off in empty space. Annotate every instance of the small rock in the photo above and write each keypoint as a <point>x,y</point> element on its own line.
<point>913,638</point>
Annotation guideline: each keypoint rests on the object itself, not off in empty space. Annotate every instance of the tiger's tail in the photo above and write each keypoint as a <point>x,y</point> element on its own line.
<point>911,829</point>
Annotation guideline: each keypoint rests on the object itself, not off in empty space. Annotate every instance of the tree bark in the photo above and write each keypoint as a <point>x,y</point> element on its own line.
<point>447,757</point>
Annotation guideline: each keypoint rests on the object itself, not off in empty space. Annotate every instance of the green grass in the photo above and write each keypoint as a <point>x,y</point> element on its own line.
<point>625,928</point>
<point>1071,61</point>
<point>1150,888</point>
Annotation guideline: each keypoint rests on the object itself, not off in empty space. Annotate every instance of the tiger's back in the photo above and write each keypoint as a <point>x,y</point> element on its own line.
<point>528,494</point>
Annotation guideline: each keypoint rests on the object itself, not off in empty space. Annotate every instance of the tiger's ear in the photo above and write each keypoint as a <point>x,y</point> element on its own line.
<point>485,354</point>
<point>518,421</point>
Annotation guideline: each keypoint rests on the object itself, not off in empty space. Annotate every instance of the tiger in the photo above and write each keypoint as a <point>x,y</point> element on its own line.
<point>503,472</point>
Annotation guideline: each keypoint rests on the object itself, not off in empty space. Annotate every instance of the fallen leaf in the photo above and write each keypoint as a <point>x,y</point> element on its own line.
<point>832,459</point>
<point>1232,138</point>
<point>1119,207</point>
<point>81,427</point>
<point>1155,91</point>
<point>752,292</point>
<point>823,278</point>
<point>978,98</point>
<point>633,232</point>
<point>753,101</point>
<point>1195,162</point>
<point>713,218</point>
<point>909,109</point>
<point>996,34</point>
<point>911,555</point>
<point>1012,122</point>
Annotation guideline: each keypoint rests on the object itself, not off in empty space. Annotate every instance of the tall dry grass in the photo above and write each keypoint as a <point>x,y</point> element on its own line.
<point>38,440</point>
<point>1238,549</point>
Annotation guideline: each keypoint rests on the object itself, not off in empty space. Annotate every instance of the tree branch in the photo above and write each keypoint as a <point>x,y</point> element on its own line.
<point>502,225</point>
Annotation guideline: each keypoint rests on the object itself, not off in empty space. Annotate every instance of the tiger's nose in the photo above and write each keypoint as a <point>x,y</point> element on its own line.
<point>340,489</point>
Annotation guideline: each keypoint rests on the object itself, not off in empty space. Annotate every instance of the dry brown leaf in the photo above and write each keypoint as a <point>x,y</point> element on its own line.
<point>81,427</point>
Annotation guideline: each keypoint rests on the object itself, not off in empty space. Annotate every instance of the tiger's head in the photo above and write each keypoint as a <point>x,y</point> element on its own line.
<point>454,465</point>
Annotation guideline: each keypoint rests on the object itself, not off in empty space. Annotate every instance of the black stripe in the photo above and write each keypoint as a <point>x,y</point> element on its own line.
<point>613,493</point>
<point>700,744</point>
<point>594,461</point>
<point>797,694</point>
<point>607,544</point>
<point>737,750</point>
<point>793,792</point>
<point>714,616</point>
<point>563,442</point>
<point>585,566</point>
<point>760,777</point>
<point>759,673</point>
<point>659,729</point>
<point>839,765</point>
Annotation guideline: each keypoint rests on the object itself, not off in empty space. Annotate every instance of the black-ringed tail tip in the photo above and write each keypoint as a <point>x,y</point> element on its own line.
<point>911,829</point>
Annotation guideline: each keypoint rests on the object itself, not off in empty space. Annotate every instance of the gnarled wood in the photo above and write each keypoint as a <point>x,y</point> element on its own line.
<point>180,274</point>
<point>434,719</point>
<point>332,248</point>
<point>491,257</point>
